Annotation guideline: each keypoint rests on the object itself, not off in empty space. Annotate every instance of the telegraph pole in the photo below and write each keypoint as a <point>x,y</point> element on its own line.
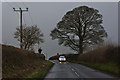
<point>21,33</point>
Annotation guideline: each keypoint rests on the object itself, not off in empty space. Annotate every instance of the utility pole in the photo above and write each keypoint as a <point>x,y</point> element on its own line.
<point>21,34</point>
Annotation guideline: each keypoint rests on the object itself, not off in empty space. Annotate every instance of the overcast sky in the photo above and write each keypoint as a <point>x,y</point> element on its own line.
<point>47,15</point>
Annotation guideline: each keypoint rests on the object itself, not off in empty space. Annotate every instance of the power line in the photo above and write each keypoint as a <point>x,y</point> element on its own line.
<point>15,3</point>
<point>30,17</point>
<point>24,19</point>
<point>12,2</point>
<point>11,5</point>
<point>28,13</point>
<point>23,4</point>
<point>8,3</point>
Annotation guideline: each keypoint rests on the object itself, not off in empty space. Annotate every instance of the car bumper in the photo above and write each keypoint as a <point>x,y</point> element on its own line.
<point>62,61</point>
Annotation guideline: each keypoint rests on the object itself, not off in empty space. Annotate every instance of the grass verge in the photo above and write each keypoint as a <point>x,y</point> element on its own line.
<point>40,72</point>
<point>111,68</point>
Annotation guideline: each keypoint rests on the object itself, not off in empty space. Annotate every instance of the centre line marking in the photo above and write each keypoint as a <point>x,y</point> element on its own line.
<point>76,74</point>
<point>73,70</point>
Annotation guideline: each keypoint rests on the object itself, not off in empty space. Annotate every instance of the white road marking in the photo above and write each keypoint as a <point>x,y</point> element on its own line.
<point>76,74</point>
<point>73,70</point>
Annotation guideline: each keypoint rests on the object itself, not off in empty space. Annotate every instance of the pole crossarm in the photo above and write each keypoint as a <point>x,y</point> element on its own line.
<point>20,9</point>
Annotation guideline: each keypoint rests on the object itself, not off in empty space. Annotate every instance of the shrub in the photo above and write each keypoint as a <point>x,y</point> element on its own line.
<point>104,54</point>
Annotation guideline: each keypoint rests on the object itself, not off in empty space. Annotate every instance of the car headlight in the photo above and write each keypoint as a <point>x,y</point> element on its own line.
<point>59,58</point>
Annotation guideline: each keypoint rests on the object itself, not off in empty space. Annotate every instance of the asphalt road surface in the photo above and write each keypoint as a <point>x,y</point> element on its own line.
<point>72,70</point>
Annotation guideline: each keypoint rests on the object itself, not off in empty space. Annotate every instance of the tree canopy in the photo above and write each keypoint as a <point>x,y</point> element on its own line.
<point>80,28</point>
<point>31,36</point>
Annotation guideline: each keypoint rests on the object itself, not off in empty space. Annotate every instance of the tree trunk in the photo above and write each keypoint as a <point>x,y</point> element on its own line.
<point>26,45</point>
<point>80,38</point>
<point>80,47</point>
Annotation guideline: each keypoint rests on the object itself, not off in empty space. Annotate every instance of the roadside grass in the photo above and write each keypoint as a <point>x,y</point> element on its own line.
<point>40,72</point>
<point>111,68</point>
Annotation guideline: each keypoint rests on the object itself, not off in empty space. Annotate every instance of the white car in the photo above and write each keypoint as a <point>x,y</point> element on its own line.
<point>62,59</point>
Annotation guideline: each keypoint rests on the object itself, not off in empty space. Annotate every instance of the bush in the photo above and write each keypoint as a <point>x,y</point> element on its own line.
<point>104,54</point>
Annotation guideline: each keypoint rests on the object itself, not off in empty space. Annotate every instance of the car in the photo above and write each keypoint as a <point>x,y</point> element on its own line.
<point>62,59</point>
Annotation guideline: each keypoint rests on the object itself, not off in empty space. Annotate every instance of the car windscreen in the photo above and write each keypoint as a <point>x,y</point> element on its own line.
<point>62,57</point>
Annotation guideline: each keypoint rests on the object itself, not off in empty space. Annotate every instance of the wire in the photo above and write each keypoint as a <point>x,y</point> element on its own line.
<point>30,17</point>
<point>15,3</point>
<point>24,19</point>
<point>8,4</point>
<point>11,3</point>
<point>23,4</point>
<point>28,13</point>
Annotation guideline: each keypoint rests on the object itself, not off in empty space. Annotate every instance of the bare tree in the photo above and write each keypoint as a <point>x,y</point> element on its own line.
<point>80,28</point>
<point>31,36</point>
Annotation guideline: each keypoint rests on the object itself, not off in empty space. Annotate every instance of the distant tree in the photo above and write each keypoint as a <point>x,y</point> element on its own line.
<point>79,29</point>
<point>31,36</point>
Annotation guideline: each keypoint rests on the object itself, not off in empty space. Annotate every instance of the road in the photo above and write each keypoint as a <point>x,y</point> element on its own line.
<point>72,70</point>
